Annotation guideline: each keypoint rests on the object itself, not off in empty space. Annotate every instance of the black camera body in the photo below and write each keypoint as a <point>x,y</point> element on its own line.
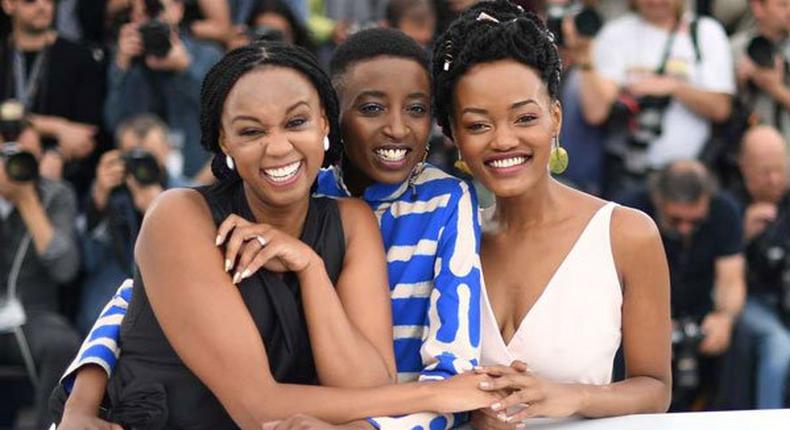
<point>156,38</point>
<point>686,337</point>
<point>762,52</point>
<point>142,166</point>
<point>586,19</point>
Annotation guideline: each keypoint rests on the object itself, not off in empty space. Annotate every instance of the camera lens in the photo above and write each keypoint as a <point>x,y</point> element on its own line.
<point>588,22</point>
<point>761,51</point>
<point>143,167</point>
<point>20,166</point>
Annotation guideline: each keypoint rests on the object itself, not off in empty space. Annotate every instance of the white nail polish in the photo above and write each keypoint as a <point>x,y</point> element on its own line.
<point>237,278</point>
<point>228,265</point>
<point>496,406</point>
<point>502,417</point>
<point>246,274</point>
<point>218,241</point>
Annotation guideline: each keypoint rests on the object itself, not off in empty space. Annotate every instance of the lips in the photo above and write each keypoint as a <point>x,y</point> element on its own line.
<point>283,174</point>
<point>392,157</point>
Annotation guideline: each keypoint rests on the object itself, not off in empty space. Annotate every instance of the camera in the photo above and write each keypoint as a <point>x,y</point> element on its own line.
<point>142,166</point>
<point>686,337</point>
<point>264,32</point>
<point>156,38</point>
<point>647,120</point>
<point>586,19</point>
<point>20,165</point>
<point>762,52</point>
<point>769,258</point>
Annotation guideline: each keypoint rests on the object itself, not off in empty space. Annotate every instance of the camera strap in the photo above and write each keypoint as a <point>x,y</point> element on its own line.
<point>27,87</point>
<point>662,67</point>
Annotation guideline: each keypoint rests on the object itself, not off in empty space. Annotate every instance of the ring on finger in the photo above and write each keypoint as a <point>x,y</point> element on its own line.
<point>261,240</point>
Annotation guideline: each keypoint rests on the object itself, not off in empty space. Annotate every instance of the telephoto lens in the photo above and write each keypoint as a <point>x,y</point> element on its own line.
<point>143,167</point>
<point>20,165</point>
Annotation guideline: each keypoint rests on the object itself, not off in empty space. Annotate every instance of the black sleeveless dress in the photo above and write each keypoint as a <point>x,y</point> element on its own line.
<point>151,388</point>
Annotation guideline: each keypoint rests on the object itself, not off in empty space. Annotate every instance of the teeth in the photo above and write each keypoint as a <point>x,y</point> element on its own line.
<point>284,173</point>
<point>508,162</point>
<point>392,154</point>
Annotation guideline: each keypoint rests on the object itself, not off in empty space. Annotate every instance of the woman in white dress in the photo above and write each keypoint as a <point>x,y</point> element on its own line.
<point>568,276</point>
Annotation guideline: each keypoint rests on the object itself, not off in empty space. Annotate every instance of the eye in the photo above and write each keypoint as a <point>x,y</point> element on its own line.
<point>477,127</point>
<point>371,108</point>
<point>248,132</point>
<point>418,109</point>
<point>527,118</point>
<point>296,123</point>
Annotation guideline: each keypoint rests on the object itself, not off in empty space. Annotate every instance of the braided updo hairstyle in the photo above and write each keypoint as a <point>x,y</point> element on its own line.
<point>472,39</point>
<point>224,75</point>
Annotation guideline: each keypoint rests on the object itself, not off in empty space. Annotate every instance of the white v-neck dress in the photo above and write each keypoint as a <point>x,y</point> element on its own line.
<point>572,332</point>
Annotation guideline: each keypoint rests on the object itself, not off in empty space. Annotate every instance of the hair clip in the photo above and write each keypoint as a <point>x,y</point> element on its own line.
<point>486,17</point>
<point>448,57</point>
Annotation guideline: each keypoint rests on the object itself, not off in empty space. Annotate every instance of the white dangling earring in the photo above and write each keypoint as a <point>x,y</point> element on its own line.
<point>326,143</point>
<point>229,162</point>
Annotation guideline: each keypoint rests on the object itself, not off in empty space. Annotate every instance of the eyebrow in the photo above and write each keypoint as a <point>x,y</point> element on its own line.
<point>514,106</point>
<point>252,118</point>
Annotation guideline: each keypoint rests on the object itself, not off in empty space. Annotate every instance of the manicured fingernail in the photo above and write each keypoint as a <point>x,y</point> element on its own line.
<point>496,406</point>
<point>478,368</point>
<point>485,385</point>
<point>521,426</point>
<point>228,265</point>
<point>502,417</point>
<point>237,278</point>
<point>218,242</point>
<point>246,274</point>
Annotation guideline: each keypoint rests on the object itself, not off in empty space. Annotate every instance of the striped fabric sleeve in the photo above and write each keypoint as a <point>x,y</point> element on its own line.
<point>101,346</point>
<point>452,345</point>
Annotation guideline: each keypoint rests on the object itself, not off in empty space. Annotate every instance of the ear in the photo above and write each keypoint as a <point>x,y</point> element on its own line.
<point>556,116</point>
<point>221,137</point>
<point>8,7</point>
<point>325,127</point>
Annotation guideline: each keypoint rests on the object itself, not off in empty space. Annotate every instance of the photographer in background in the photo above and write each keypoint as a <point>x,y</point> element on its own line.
<point>38,252</point>
<point>128,179</point>
<point>59,82</point>
<point>766,226</point>
<point>272,20</point>
<point>700,228</point>
<point>761,59</point>
<point>158,70</point>
<point>668,73</point>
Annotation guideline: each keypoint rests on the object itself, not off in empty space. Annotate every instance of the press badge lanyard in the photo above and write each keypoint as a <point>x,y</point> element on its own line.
<point>26,88</point>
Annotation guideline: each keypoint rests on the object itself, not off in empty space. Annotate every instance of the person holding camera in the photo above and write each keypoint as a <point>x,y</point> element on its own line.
<point>128,179</point>
<point>58,81</point>
<point>38,253</point>
<point>700,228</point>
<point>761,59</point>
<point>157,69</point>
<point>766,227</point>
<point>658,78</point>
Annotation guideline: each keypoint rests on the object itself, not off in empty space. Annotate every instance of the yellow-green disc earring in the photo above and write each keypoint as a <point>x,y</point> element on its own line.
<point>461,165</point>
<point>558,159</point>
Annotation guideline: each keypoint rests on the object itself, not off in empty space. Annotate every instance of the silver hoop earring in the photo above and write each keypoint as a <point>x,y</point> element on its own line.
<point>229,162</point>
<point>326,143</point>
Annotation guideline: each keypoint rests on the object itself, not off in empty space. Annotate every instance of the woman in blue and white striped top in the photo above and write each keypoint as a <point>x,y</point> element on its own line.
<point>428,219</point>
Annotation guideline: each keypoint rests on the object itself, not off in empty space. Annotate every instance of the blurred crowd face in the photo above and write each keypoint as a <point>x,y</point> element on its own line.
<point>155,142</point>
<point>763,164</point>
<point>773,16</point>
<point>386,122</point>
<point>681,220</point>
<point>504,122</point>
<point>30,16</point>
<point>658,11</point>
<point>276,22</point>
<point>420,25</point>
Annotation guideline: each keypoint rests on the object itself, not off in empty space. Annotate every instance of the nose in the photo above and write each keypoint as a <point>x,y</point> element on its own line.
<point>396,128</point>
<point>504,138</point>
<point>278,146</point>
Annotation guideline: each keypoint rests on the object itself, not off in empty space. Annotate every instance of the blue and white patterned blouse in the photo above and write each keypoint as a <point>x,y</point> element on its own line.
<point>431,236</point>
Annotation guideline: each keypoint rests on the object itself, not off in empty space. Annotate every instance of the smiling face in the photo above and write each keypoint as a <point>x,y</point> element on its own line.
<point>504,122</point>
<point>385,117</point>
<point>273,126</point>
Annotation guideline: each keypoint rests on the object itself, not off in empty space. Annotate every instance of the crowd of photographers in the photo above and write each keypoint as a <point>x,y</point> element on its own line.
<point>679,109</point>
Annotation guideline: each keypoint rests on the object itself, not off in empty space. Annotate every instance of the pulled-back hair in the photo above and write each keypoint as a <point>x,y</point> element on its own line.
<point>238,62</point>
<point>504,31</point>
<point>372,43</point>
